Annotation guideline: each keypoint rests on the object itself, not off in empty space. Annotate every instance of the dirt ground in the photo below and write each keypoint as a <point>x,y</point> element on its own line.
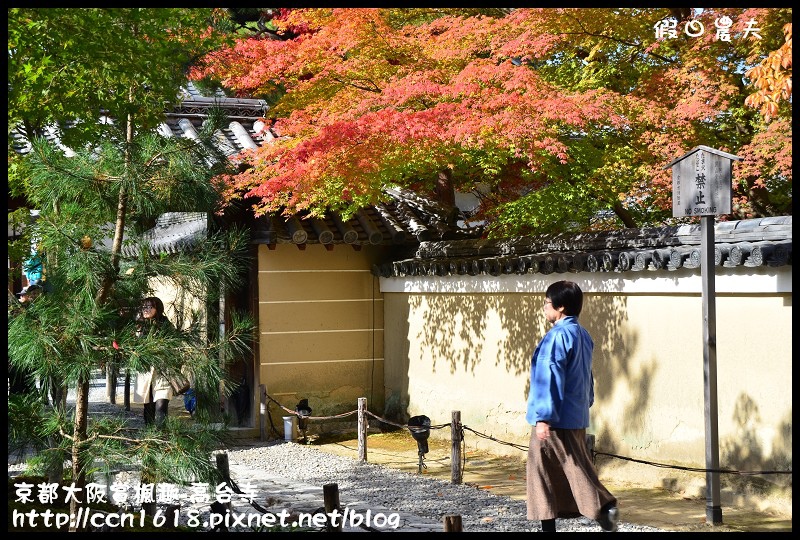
<point>506,476</point>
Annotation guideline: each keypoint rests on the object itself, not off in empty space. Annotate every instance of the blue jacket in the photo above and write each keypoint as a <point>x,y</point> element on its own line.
<point>562,385</point>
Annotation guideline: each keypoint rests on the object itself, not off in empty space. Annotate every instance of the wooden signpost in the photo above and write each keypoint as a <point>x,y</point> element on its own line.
<point>701,186</point>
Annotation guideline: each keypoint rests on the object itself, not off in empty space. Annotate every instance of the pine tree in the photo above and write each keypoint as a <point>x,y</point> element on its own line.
<point>85,319</point>
<point>90,204</point>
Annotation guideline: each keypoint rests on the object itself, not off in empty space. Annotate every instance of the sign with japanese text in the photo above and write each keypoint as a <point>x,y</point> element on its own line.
<point>701,184</point>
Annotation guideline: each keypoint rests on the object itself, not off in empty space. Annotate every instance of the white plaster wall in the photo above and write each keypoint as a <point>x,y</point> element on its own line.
<point>464,343</point>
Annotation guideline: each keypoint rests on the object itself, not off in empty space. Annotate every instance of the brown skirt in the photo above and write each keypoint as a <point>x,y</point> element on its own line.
<point>562,481</point>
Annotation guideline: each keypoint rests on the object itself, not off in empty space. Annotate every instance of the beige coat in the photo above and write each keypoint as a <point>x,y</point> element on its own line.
<point>161,387</point>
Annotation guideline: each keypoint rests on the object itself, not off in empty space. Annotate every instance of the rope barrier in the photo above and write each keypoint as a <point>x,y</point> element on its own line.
<point>692,469</point>
<point>290,411</point>
<point>416,429</point>
<point>595,453</point>
<point>517,446</point>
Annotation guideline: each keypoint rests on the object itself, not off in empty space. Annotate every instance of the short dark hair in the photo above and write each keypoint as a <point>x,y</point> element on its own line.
<point>566,294</point>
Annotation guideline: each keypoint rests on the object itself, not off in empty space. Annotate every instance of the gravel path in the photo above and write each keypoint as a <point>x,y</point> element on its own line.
<point>409,494</point>
<point>289,477</point>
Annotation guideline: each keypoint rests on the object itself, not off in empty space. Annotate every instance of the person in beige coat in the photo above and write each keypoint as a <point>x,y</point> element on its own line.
<point>152,389</point>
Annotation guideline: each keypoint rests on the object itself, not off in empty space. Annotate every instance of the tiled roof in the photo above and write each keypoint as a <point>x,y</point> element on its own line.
<point>244,130</point>
<point>751,242</point>
<point>174,232</point>
<point>188,115</point>
<point>405,219</point>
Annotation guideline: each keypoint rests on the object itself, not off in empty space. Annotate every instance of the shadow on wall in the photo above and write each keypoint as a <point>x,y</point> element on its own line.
<point>745,453</point>
<point>461,333</point>
<point>450,320</point>
<point>457,332</point>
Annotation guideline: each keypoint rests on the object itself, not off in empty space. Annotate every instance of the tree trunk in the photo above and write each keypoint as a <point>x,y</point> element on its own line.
<point>111,380</point>
<point>446,195</point>
<point>58,396</point>
<point>624,215</point>
<point>119,224</point>
<point>81,421</point>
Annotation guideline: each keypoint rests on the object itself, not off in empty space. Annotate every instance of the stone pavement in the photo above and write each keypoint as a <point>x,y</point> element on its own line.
<point>648,507</point>
<point>278,501</point>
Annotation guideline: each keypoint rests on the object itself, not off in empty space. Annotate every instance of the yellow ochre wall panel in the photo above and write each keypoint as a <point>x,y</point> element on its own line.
<point>320,328</point>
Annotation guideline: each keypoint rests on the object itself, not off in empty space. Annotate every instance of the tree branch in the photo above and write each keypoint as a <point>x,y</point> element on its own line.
<point>375,88</point>
<point>637,46</point>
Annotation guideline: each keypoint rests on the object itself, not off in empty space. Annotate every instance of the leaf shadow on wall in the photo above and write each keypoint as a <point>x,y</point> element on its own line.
<point>462,331</point>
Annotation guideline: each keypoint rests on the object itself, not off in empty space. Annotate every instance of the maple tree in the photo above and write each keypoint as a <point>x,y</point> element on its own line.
<point>552,117</point>
<point>773,78</point>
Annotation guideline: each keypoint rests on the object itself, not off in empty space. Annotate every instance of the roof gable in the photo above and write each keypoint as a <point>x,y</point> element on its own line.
<point>707,149</point>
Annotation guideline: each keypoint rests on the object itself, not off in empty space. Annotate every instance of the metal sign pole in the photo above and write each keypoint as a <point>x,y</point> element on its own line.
<point>701,186</point>
<point>713,508</point>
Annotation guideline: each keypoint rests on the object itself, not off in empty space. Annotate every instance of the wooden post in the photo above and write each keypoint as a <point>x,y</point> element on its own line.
<point>713,506</point>
<point>363,424</point>
<point>111,382</point>
<point>701,186</point>
<point>330,495</point>
<point>455,447</point>
<point>170,513</point>
<point>127,398</point>
<point>262,416</point>
<point>590,441</point>
<point>224,469</point>
<point>222,465</point>
<point>452,523</point>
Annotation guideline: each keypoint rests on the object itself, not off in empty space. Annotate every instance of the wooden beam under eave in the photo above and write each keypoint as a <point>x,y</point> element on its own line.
<point>271,246</point>
<point>329,247</point>
<point>301,247</point>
